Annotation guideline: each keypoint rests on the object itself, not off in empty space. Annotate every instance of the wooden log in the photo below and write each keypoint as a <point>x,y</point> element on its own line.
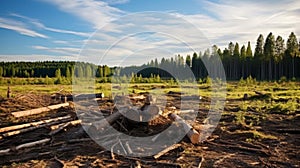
<point>16,127</point>
<point>31,144</point>
<point>38,110</point>
<point>100,125</point>
<point>5,151</point>
<point>192,134</point>
<point>65,125</point>
<point>26,145</point>
<point>166,150</point>
<point>16,132</point>
<point>88,96</point>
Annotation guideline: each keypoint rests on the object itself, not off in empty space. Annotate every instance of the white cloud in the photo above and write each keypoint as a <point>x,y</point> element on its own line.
<point>60,50</point>
<point>19,27</point>
<point>35,57</point>
<point>38,24</point>
<point>242,21</point>
<point>114,2</point>
<point>98,13</point>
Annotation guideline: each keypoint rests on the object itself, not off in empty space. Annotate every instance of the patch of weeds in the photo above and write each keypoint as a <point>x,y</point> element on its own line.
<point>290,107</point>
<point>244,106</point>
<point>258,135</point>
<point>240,118</point>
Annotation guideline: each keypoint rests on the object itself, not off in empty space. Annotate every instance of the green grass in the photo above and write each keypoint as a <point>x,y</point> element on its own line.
<point>37,89</point>
<point>284,97</point>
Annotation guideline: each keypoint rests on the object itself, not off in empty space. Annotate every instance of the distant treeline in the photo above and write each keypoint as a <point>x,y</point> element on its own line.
<point>272,59</point>
<point>53,69</point>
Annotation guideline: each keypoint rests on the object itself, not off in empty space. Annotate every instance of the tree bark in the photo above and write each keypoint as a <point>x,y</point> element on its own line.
<point>16,127</point>
<point>38,110</point>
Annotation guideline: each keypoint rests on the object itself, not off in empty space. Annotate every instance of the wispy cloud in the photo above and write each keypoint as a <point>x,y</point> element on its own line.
<point>242,21</point>
<point>40,25</point>
<point>36,57</point>
<point>114,2</point>
<point>98,13</point>
<point>59,50</point>
<point>19,27</point>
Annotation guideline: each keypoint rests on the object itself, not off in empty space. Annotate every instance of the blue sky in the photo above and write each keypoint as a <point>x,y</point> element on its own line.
<point>36,30</point>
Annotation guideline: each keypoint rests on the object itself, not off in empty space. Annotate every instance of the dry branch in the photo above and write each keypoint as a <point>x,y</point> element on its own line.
<point>25,145</point>
<point>193,135</point>
<point>31,144</point>
<point>158,155</point>
<point>201,162</point>
<point>16,127</point>
<point>242,148</point>
<point>38,110</point>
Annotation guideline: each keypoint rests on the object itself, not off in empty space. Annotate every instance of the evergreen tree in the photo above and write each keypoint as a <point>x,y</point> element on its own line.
<point>278,58</point>
<point>243,53</point>
<point>58,73</point>
<point>269,53</point>
<point>292,51</point>
<point>1,71</point>
<point>259,57</point>
<point>249,50</point>
<point>68,72</point>
<point>188,61</point>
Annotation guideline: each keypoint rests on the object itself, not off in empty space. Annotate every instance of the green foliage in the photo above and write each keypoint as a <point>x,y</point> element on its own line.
<point>282,79</point>
<point>58,73</point>
<point>290,107</point>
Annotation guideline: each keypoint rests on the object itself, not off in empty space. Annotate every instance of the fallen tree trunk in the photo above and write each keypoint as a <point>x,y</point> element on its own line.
<point>38,110</point>
<point>193,135</point>
<point>16,127</point>
<point>8,134</point>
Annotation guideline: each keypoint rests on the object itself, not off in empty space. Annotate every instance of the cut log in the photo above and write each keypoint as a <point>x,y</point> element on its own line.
<point>16,132</point>
<point>175,146</point>
<point>16,127</point>
<point>76,122</point>
<point>38,110</point>
<point>193,135</point>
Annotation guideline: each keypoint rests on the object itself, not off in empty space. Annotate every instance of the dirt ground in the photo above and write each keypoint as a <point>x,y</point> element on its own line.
<point>274,141</point>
